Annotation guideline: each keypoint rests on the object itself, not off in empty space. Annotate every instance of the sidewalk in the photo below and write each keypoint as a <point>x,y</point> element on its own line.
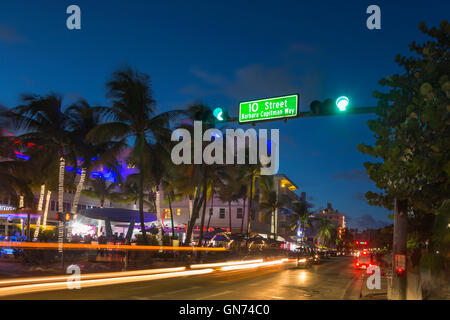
<point>375,294</point>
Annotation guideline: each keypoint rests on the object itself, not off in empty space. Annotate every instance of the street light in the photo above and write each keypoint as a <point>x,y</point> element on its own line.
<point>342,103</point>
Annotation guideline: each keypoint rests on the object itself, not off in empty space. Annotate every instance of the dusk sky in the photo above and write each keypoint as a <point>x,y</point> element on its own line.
<point>223,52</point>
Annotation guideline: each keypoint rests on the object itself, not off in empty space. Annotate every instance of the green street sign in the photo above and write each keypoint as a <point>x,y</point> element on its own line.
<point>268,109</point>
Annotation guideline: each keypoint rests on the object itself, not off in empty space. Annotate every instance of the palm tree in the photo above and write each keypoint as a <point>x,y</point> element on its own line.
<point>193,180</point>
<point>82,119</point>
<point>102,190</point>
<point>251,172</point>
<point>129,193</point>
<point>271,200</point>
<point>133,118</point>
<point>228,189</point>
<point>168,183</point>
<point>46,124</point>
<point>324,230</point>
<point>299,217</point>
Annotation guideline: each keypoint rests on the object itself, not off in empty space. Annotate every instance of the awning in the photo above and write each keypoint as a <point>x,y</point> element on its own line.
<point>287,238</point>
<point>20,214</point>
<point>117,215</point>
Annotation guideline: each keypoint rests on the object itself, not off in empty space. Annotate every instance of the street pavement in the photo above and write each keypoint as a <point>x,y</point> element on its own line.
<point>335,278</point>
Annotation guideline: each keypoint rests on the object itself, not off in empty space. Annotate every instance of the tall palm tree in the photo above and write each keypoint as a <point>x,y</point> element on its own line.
<point>228,189</point>
<point>271,200</point>
<point>129,193</point>
<point>102,190</point>
<point>133,118</point>
<point>82,119</point>
<point>251,173</point>
<point>325,230</point>
<point>193,180</point>
<point>45,123</point>
<point>299,217</point>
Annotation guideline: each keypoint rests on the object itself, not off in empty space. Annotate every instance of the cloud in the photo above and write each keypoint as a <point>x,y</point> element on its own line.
<point>366,221</point>
<point>256,81</point>
<point>352,174</point>
<point>208,77</point>
<point>9,35</point>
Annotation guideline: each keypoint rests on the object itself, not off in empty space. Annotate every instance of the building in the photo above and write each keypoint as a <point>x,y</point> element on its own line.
<point>216,212</point>
<point>336,217</point>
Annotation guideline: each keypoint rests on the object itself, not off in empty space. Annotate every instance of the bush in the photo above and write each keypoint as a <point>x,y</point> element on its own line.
<point>151,240</point>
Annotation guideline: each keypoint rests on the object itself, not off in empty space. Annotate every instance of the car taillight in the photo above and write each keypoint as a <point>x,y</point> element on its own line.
<point>400,271</point>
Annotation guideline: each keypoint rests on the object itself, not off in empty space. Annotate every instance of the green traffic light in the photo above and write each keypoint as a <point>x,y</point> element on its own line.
<point>342,103</point>
<point>218,113</point>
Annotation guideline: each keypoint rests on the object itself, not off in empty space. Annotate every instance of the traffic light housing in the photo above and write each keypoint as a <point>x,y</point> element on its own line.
<point>221,114</point>
<point>329,107</point>
<point>64,217</point>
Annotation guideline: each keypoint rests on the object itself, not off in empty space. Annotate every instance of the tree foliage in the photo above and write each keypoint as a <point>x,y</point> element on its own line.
<point>412,128</point>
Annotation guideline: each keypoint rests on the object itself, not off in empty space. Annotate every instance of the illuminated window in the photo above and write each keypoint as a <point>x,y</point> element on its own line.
<point>167,212</point>
<point>178,211</point>
<point>239,213</point>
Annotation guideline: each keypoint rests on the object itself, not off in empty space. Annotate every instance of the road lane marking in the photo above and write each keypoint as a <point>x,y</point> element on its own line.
<point>174,291</point>
<point>214,295</point>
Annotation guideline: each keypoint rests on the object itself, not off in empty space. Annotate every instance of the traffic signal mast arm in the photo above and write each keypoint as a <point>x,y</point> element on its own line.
<point>358,110</point>
<point>327,107</point>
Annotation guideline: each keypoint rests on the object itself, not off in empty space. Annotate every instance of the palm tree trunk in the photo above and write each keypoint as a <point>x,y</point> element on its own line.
<point>40,204</point>
<point>62,164</point>
<point>243,216</point>
<point>141,193</point>
<point>202,222</point>
<point>210,213</point>
<point>76,198</point>
<point>41,198</point>
<point>171,215</point>
<point>249,213</point>
<point>47,203</point>
<point>193,213</point>
<point>158,214</point>
<point>229,214</point>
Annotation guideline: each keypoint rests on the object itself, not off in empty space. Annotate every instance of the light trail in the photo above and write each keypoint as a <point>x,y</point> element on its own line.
<point>31,285</point>
<point>220,264</point>
<point>91,276</point>
<point>253,265</point>
<point>31,288</point>
<point>45,245</point>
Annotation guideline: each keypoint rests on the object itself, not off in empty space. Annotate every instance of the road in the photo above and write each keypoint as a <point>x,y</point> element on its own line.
<point>334,278</point>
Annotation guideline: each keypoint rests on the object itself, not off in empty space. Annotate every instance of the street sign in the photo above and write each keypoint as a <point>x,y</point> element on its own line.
<point>269,109</point>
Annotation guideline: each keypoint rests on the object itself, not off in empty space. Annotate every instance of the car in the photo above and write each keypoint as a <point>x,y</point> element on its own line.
<point>303,260</point>
<point>315,257</point>
<point>305,257</point>
<point>364,260</point>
